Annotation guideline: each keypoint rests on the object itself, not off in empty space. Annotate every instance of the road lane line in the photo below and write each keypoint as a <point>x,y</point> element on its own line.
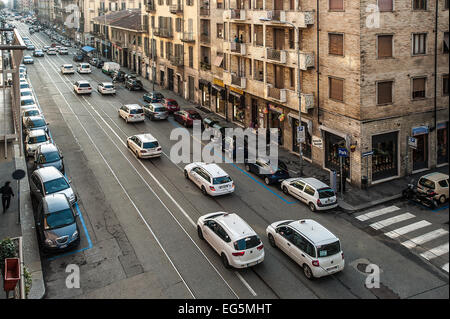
<point>419,240</point>
<point>392,220</point>
<point>435,252</point>
<point>445,267</point>
<point>409,228</point>
<point>377,213</point>
<point>246,284</point>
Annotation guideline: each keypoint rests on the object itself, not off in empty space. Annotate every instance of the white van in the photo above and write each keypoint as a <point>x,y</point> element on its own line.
<point>110,67</point>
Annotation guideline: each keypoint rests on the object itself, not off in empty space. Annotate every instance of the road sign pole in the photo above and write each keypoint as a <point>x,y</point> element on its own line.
<point>340,169</point>
<point>406,155</point>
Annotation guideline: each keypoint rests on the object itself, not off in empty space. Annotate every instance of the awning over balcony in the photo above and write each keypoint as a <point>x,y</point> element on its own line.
<point>87,49</point>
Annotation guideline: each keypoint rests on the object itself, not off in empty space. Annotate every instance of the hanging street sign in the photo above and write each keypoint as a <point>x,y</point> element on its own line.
<point>343,152</point>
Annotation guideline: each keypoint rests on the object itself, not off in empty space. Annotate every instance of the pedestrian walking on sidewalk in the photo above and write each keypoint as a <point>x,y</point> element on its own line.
<point>6,192</point>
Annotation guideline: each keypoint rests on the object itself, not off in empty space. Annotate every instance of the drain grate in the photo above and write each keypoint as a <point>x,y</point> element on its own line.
<point>384,292</point>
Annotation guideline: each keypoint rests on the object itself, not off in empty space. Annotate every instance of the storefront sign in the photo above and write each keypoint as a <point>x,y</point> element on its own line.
<point>218,82</point>
<point>366,154</point>
<point>420,130</point>
<point>412,142</point>
<point>317,142</point>
<point>343,152</point>
<point>236,90</point>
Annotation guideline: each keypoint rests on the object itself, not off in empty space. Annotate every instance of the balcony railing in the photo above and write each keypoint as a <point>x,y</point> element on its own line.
<point>205,38</point>
<point>237,14</point>
<point>238,81</point>
<point>176,8</point>
<point>150,6</point>
<point>204,11</point>
<point>276,55</point>
<point>276,94</point>
<point>276,15</point>
<point>164,32</point>
<point>176,60</point>
<point>187,37</point>
<point>236,47</point>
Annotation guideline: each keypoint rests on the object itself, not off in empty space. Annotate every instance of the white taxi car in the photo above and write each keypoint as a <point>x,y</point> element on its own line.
<point>27,101</point>
<point>144,146</point>
<point>67,69</point>
<point>106,88</point>
<point>232,238</point>
<point>210,178</point>
<point>82,87</point>
<point>84,68</point>
<point>132,113</point>
<point>30,112</point>
<point>309,244</point>
<point>34,139</point>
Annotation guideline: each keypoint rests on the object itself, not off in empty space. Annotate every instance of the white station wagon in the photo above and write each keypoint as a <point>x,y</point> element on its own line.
<point>67,69</point>
<point>132,113</point>
<point>84,68</point>
<point>82,87</point>
<point>232,238</point>
<point>309,244</point>
<point>144,146</point>
<point>210,178</point>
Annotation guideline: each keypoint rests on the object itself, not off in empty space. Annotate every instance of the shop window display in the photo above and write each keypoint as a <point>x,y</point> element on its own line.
<point>384,158</point>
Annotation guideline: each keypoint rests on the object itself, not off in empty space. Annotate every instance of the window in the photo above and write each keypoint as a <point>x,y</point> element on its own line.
<point>445,85</point>
<point>336,44</point>
<point>336,89</point>
<point>162,48</point>
<point>160,2</point>
<point>336,5</point>
<point>384,92</point>
<point>419,4</point>
<point>299,185</point>
<point>291,77</point>
<point>419,43</point>
<point>219,30</point>
<point>178,24</point>
<point>309,190</point>
<point>385,5</point>
<point>418,88</point>
<point>220,4</point>
<point>191,57</point>
<point>189,2</point>
<point>329,249</point>
<point>384,46</point>
<point>445,45</point>
<point>291,38</point>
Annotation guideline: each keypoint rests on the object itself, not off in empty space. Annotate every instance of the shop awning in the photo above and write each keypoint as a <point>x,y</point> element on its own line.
<point>235,94</point>
<point>87,49</point>
<point>420,130</point>
<point>218,60</point>
<point>218,88</point>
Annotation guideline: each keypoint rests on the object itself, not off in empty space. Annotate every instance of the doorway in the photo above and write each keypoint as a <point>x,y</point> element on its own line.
<point>170,78</point>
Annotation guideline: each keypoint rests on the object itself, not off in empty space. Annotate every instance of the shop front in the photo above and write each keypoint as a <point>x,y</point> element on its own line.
<point>385,155</point>
<point>333,142</point>
<point>442,143</point>
<point>219,97</point>
<point>420,153</point>
<point>275,119</point>
<point>307,144</point>
<point>205,93</point>
<point>237,101</point>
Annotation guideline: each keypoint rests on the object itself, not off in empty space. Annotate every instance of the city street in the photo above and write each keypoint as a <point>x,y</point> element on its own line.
<point>138,217</point>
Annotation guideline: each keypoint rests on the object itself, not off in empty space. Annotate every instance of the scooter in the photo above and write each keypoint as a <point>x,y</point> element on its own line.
<point>426,199</point>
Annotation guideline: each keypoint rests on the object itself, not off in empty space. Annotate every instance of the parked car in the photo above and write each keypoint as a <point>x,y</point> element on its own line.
<point>187,117</point>
<point>118,76</point>
<point>134,85</point>
<point>132,113</point>
<point>84,68</point>
<point>232,238</point>
<point>48,155</point>
<point>99,64</point>
<point>26,92</point>
<point>82,87</point>
<point>30,112</point>
<point>27,101</point>
<point>314,193</point>
<point>38,53</point>
<point>144,146</point>
<point>67,69</point>
<point>27,59</point>
<point>24,85</point>
<point>93,61</point>
<point>155,111</point>
<point>56,224</point>
<point>36,122</point>
<point>210,178</point>
<point>45,48</point>
<point>436,182</point>
<point>171,105</point>
<point>153,97</point>
<point>263,168</point>
<point>30,47</point>
<point>309,244</point>
<point>78,57</point>
<point>106,88</point>
<point>129,76</point>
<point>49,180</point>
<point>63,51</point>
<point>34,139</point>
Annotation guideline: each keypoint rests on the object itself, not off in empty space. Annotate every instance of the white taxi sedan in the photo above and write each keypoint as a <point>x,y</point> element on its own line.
<point>144,146</point>
<point>232,238</point>
<point>67,69</point>
<point>84,68</point>
<point>210,178</point>
<point>106,88</point>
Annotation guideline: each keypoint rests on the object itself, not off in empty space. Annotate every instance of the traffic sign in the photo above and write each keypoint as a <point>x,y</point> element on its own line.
<point>412,142</point>
<point>365,154</point>
<point>301,134</point>
<point>343,152</point>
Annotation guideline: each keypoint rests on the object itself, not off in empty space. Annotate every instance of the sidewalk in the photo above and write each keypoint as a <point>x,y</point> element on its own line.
<point>355,199</point>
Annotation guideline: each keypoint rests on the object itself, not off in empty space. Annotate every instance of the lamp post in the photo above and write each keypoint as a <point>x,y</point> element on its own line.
<point>297,41</point>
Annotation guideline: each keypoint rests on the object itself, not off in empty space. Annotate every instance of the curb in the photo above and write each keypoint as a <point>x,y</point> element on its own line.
<point>31,255</point>
<point>353,209</point>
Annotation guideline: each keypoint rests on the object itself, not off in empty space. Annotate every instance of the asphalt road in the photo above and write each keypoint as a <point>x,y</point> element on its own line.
<point>138,216</point>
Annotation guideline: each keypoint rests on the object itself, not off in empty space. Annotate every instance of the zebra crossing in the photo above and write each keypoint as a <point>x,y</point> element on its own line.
<point>428,240</point>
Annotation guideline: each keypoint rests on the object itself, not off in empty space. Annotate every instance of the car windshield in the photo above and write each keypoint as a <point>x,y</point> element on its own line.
<point>55,185</point>
<point>221,180</point>
<point>426,183</point>
<point>59,219</point>
<point>85,66</point>
<point>37,139</point>
<point>150,144</point>
<point>27,102</point>
<point>136,111</point>
<point>36,123</point>
<point>329,249</point>
<point>247,243</point>
<point>51,157</point>
<point>326,193</point>
<point>26,93</point>
<point>31,113</point>
<point>160,109</point>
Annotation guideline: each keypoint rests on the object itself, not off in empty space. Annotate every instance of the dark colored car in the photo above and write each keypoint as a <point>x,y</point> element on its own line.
<point>78,57</point>
<point>134,85</point>
<point>129,76</point>
<point>187,117</point>
<point>119,76</point>
<point>56,224</point>
<point>48,155</point>
<point>153,97</point>
<point>38,53</point>
<point>99,64</point>
<point>171,105</point>
<point>263,168</point>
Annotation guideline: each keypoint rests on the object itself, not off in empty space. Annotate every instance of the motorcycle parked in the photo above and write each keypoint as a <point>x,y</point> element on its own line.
<point>427,199</point>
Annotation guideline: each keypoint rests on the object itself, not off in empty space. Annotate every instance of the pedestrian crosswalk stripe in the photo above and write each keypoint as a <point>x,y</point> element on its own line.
<point>419,240</point>
<point>392,220</point>
<point>377,213</point>
<point>445,267</point>
<point>409,228</point>
<point>435,252</point>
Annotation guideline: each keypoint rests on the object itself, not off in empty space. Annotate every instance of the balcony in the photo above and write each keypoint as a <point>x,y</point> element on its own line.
<point>276,15</point>
<point>234,14</point>
<point>238,48</point>
<point>204,10</point>
<point>187,37</point>
<point>150,6</point>
<point>205,38</point>
<point>205,66</point>
<point>306,60</point>
<point>176,8</point>
<point>176,60</point>
<point>276,94</point>
<point>276,55</point>
<point>163,32</point>
<point>239,81</point>
<point>307,102</point>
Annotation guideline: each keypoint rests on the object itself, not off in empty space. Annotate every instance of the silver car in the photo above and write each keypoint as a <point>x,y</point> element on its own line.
<point>34,139</point>
<point>156,111</point>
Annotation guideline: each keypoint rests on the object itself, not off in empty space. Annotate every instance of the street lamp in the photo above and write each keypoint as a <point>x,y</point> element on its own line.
<point>263,19</point>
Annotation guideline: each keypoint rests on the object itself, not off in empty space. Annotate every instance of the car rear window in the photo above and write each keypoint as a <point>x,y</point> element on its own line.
<point>68,67</point>
<point>329,249</point>
<point>86,66</point>
<point>27,102</point>
<point>160,109</point>
<point>150,144</point>
<point>108,86</point>
<point>326,193</point>
<point>136,111</point>
<point>37,139</point>
<point>426,183</point>
<point>31,113</point>
<point>36,123</point>
<point>84,85</point>
<point>247,243</point>
<point>172,103</point>
<point>221,180</point>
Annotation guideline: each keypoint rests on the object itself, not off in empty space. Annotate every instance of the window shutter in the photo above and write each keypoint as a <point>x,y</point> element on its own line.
<point>384,46</point>
<point>336,44</point>
<point>419,87</point>
<point>385,5</point>
<point>336,89</point>
<point>336,4</point>
<point>384,92</point>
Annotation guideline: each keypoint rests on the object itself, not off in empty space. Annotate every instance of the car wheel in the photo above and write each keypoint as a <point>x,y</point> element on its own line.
<point>186,174</point>
<point>267,180</point>
<point>307,271</point>
<point>200,233</point>
<point>137,154</point>
<point>247,167</point>
<point>225,261</point>
<point>285,190</point>
<point>272,241</point>
<point>204,190</point>
<point>312,207</point>
<point>442,199</point>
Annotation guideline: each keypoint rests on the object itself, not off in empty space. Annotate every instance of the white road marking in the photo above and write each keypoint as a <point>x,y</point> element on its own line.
<point>435,252</point>
<point>445,267</point>
<point>419,240</point>
<point>409,228</point>
<point>377,212</point>
<point>245,284</point>
<point>392,220</point>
